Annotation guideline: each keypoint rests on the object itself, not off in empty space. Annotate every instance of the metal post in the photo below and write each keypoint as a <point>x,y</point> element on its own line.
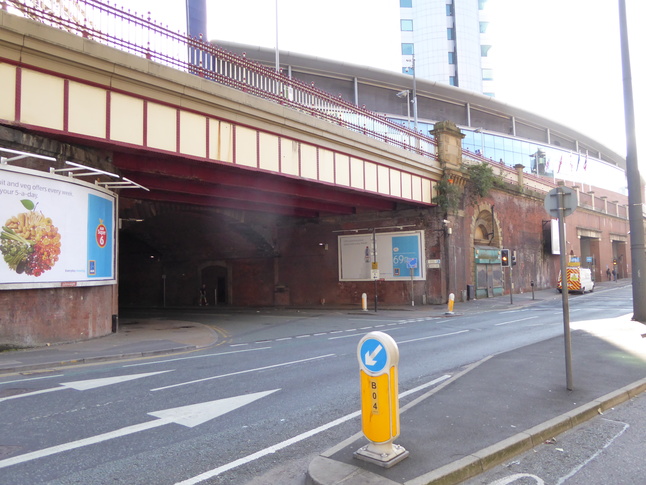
<point>564,290</point>
<point>374,259</point>
<point>277,52</point>
<point>412,287</point>
<point>164,290</point>
<point>415,99</point>
<point>635,183</point>
<point>511,286</point>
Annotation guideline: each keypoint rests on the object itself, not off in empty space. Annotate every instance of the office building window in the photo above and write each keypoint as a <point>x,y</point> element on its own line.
<point>450,33</point>
<point>408,49</point>
<point>449,10</point>
<point>407,25</point>
<point>453,81</point>
<point>451,57</point>
<point>406,3</point>
<point>487,74</point>
<point>483,27</point>
<point>484,50</point>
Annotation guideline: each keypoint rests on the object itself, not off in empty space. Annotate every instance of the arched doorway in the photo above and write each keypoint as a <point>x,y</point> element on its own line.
<point>488,273</point>
<point>216,279</point>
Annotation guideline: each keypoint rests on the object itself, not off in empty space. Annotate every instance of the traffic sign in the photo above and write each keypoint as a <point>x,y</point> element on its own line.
<point>377,352</point>
<point>378,357</point>
<point>552,203</point>
<point>373,356</point>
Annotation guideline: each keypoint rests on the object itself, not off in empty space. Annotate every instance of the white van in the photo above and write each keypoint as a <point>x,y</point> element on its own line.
<point>578,280</point>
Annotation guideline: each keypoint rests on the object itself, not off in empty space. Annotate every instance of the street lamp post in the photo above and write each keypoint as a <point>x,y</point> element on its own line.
<point>406,93</point>
<point>414,94</point>
<point>635,187</point>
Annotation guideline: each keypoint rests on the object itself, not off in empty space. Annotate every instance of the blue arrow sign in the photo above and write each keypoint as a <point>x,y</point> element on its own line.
<point>373,355</point>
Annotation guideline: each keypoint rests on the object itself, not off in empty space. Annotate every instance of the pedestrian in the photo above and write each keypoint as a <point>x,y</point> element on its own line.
<point>203,300</point>
<point>614,274</point>
<point>608,273</point>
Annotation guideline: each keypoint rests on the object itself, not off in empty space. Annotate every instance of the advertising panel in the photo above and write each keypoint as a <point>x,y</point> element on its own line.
<point>398,255</point>
<point>55,231</point>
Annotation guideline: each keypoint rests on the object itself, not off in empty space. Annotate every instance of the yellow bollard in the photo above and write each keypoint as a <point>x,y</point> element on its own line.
<point>364,302</point>
<point>451,302</point>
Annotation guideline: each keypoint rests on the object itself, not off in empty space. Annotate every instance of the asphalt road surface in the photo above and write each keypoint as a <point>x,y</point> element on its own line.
<point>279,388</point>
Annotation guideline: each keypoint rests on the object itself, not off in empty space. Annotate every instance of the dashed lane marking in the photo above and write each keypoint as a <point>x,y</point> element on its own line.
<point>346,331</point>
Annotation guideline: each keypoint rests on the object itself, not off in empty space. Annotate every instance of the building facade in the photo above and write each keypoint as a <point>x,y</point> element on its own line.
<point>446,41</point>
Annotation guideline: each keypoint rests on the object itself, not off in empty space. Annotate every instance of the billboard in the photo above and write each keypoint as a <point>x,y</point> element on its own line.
<point>398,256</point>
<point>55,231</point>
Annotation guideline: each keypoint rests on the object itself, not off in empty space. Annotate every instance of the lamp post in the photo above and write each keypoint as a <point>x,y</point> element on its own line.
<point>277,51</point>
<point>414,94</point>
<point>406,93</point>
<point>414,100</point>
<point>635,187</point>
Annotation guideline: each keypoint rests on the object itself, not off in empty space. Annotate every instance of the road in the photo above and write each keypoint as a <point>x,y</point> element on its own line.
<point>277,390</point>
<point>606,450</point>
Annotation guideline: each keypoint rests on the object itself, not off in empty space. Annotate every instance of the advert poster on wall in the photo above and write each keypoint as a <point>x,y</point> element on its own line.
<point>55,230</point>
<point>397,256</point>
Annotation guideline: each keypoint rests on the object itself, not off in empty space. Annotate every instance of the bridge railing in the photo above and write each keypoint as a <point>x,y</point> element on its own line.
<point>130,32</point>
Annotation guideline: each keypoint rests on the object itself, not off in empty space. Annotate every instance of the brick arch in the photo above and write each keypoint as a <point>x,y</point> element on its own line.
<point>484,223</point>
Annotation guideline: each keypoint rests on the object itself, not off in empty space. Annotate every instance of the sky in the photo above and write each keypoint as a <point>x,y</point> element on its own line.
<point>557,58</point>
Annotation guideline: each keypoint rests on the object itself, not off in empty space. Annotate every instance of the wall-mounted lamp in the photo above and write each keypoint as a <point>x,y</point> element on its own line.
<point>445,227</point>
<point>325,246</point>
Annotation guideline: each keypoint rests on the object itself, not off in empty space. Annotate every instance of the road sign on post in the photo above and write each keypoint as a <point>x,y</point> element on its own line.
<point>378,361</point>
<point>561,202</point>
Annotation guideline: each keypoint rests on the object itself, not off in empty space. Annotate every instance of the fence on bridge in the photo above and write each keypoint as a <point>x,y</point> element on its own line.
<point>128,31</point>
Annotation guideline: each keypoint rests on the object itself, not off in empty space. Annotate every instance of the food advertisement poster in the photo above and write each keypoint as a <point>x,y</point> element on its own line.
<point>398,254</point>
<point>55,231</point>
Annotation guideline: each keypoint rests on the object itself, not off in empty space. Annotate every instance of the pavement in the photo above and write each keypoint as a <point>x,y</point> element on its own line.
<point>135,338</point>
<point>481,417</point>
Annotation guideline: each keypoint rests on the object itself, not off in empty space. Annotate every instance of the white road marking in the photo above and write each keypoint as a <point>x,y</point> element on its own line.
<point>576,469</point>
<point>243,372</point>
<point>361,334</point>
<point>284,444</point>
<point>512,478</point>
<point>515,321</point>
<point>196,357</point>
<point>189,416</point>
<point>86,384</point>
<point>433,336</point>
<point>32,379</point>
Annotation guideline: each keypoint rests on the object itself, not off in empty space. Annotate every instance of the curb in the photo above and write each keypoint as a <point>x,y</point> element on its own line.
<point>102,358</point>
<point>325,471</point>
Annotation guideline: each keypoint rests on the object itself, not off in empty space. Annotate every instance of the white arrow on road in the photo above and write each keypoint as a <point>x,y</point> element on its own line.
<point>370,358</point>
<point>189,416</point>
<point>88,384</point>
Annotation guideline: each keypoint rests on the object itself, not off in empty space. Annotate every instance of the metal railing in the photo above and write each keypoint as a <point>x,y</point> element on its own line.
<point>130,32</point>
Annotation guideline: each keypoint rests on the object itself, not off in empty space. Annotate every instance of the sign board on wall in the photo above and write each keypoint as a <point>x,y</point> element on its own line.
<point>56,231</point>
<point>554,231</point>
<point>396,253</point>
